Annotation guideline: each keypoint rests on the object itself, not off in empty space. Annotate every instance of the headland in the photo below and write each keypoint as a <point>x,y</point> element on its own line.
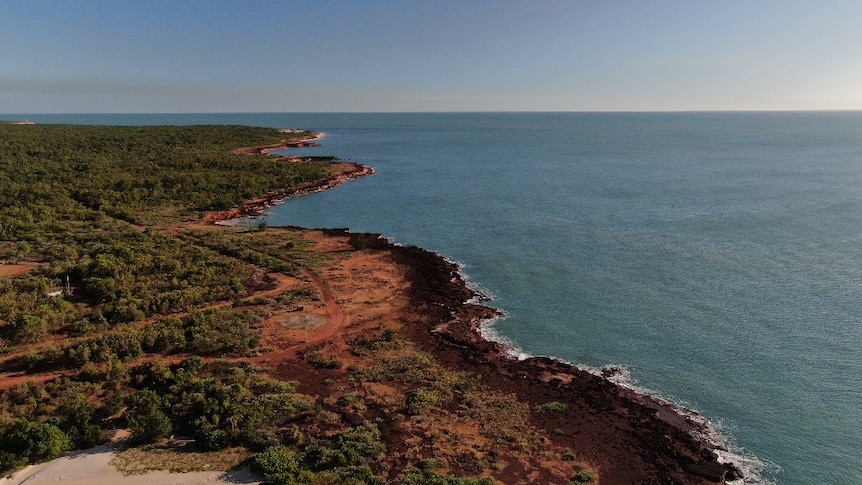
<point>627,436</point>
<point>366,341</point>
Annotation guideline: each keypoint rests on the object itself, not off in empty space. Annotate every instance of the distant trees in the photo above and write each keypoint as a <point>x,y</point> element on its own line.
<point>69,192</point>
<point>127,171</point>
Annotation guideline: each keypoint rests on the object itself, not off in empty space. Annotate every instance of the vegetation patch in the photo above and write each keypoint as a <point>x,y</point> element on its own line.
<point>584,477</point>
<point>553,407</point>
<point>177,457</point>
<point>401,364</point>
<point>426,472</point>
<point>316,356</point>
<point>343,458</point>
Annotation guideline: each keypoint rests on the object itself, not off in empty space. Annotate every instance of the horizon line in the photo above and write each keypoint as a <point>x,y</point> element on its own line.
<point>692,111</point>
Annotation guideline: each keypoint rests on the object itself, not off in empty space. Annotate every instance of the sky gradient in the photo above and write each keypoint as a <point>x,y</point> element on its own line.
<point>93,56</point>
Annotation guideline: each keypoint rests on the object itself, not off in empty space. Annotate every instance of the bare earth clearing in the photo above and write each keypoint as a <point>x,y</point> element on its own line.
<point>12,270</point>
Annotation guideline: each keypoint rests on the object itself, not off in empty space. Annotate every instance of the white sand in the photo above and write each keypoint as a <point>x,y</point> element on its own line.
<point>91,467</point>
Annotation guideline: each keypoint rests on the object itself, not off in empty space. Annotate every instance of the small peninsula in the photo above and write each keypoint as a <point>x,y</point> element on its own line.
<point>136,318</point>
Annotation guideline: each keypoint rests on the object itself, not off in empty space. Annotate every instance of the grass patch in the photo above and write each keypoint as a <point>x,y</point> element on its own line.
<point>584,477</point>
<point>402,364</point>
<point>553,407</point>
<point>177,458</point>
<point>501,417</point>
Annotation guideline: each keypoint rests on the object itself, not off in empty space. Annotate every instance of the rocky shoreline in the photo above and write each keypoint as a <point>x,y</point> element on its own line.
<point>630,437</point>
<point>258,207</point>
<point>254,208</point>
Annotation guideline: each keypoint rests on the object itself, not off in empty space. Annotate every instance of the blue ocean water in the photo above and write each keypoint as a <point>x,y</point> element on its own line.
<point>716,256</point>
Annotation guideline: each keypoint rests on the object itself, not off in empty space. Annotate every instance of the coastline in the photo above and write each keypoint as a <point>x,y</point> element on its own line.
<point>309,141</point>
<point>628,435</point>
<point>344,172</point>
<point>624,435</point>
<point>257,207</point>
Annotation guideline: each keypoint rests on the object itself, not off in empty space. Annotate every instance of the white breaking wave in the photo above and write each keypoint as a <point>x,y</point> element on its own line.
<point>489,332</point>
<point>749,465</point>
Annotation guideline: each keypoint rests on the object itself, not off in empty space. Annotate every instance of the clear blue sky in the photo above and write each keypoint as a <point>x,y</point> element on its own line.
<point>576,55</point>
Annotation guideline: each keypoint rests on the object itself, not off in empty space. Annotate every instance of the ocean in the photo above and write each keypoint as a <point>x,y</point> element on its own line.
<point>717,257</point>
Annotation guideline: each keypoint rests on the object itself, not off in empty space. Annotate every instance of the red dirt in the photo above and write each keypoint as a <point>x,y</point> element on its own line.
<point>265,149</point>
<point>11,270</point>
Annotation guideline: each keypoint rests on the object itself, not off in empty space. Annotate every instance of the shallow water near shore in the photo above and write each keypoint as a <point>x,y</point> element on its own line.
<point>716,256</point>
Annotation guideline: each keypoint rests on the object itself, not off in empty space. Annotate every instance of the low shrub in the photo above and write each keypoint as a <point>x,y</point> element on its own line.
<point>553,407</point>
<point>426,473</point>
<point>584,477</point>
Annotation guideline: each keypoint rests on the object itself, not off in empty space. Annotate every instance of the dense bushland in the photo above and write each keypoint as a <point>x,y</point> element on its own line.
<point>135,173</point>
<point>91,206</point>
<point>76,198</point>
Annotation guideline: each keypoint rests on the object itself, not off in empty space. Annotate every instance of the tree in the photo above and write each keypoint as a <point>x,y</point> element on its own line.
<point>282,466</point>
<point>29,328</point>
<point>145,417</point>
<point>35,441</point>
